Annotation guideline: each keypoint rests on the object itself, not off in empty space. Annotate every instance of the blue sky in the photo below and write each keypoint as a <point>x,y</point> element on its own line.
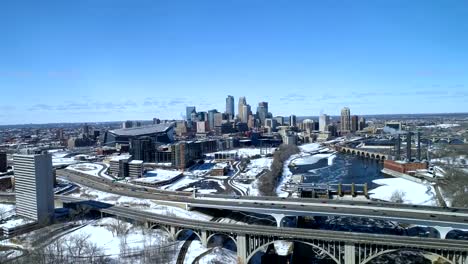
<point>76,61</point>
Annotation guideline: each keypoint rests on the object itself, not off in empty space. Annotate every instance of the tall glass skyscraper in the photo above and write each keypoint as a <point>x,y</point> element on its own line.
<point>230,106</point>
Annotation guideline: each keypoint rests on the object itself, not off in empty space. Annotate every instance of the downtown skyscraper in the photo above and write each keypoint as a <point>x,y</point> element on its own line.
<point>241,105</point>
<point>345,119</point>
<point>230,106</point>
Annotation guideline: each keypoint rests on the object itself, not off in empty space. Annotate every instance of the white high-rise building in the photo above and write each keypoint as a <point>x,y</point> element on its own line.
<point>324,121</point>
<point>240,111</point>
<point>34,187</point>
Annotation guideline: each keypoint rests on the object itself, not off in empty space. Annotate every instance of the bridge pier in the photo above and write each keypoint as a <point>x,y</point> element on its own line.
<point>241,249</point>
<point>278,218</point>
<point>204,238</point>
<point>173,232</point>
<point>349,254</point>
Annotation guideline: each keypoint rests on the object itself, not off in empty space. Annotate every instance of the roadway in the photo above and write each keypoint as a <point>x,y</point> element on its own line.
<point>284,232</point>
<point>413,214</point>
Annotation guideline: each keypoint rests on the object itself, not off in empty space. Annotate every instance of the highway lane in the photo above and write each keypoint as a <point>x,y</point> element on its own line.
<point>281,200</point>
<point>457,218</point>
<point>284,232</point>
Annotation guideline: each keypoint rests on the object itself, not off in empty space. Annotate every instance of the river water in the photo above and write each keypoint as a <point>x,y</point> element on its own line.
<point>344,169</point>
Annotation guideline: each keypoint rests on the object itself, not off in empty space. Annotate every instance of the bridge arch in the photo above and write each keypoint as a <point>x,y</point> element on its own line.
<point>260,247</point>
<point>372,156</point>
<point>178,233</point>
<point>381,253</point>
<point>358,153</point>
<point>348,151</point>
<point>209,240</point>
<point>383,157</point>
<point>377,157</point>
<point>367,155</point>
<point>163,228</point>
<point>353,152</point>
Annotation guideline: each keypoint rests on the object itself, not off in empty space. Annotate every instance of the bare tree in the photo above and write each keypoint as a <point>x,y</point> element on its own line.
<point>268,182</point>
<point>454,185</point>
<point>398,196</point>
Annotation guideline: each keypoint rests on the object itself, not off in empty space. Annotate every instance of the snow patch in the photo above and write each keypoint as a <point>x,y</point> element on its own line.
<point>414,193</point>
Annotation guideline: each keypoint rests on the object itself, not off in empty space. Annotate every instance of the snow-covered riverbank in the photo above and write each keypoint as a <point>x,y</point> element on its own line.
<point>410,192</point>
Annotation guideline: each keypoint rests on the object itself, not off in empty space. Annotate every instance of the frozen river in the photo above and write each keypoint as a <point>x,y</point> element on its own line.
<point>343,169</point>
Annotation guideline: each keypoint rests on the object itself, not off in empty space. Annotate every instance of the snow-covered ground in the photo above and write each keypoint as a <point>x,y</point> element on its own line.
<point>283,248</point>
<point>206,191</point>
<point>102,234</point>
<point>196,249</point>
<point>63,161</point>
<point>158,175</point>
<point>183,182</point>
<point>313,159</point>
<point>219,255</point>
<point>414,193</point>
<point>6,207</point>
<point>244,152</point>
<point>215,255</point>
<point>143,204</point>
<point>256,166</point>
<point>16,221</point>
<point>458,160</point>
<point>310,147</point>
<point>87,168</point>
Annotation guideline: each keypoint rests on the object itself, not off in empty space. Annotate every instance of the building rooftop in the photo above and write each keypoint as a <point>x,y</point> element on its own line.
<point>137,162</point>
<point>120,157</point>
<point>143,130</point>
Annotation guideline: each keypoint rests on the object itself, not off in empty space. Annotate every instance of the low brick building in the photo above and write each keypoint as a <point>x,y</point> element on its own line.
<point>404,167</point>
<point>220,169</point>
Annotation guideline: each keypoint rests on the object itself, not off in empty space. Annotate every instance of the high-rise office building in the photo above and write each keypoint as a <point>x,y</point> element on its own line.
<point>3,162</point>
<point>324,121</point>
<point>362,123</point>
<point>203,127</point>
<point>271,124</point>
<point>218,120</point>
<point>34,187</point>
<point>240,111</point>
<point>354,123</point>
<point>59,134</point>
<point>85,130</point>
<point>308,125</point>
<point>262,112</point>
<point>345,120</point>
<point>279,120</point>
<point>127,124</point>
<point>246,112</point>
<point>200,116</point>
<point>143,149</point>
<point>230,106</point>
<point>292,121</point>
<point>211,118</point>
<point>188,112</point>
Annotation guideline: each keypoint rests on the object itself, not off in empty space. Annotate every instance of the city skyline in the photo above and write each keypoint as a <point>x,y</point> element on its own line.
<point>72,62</point>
